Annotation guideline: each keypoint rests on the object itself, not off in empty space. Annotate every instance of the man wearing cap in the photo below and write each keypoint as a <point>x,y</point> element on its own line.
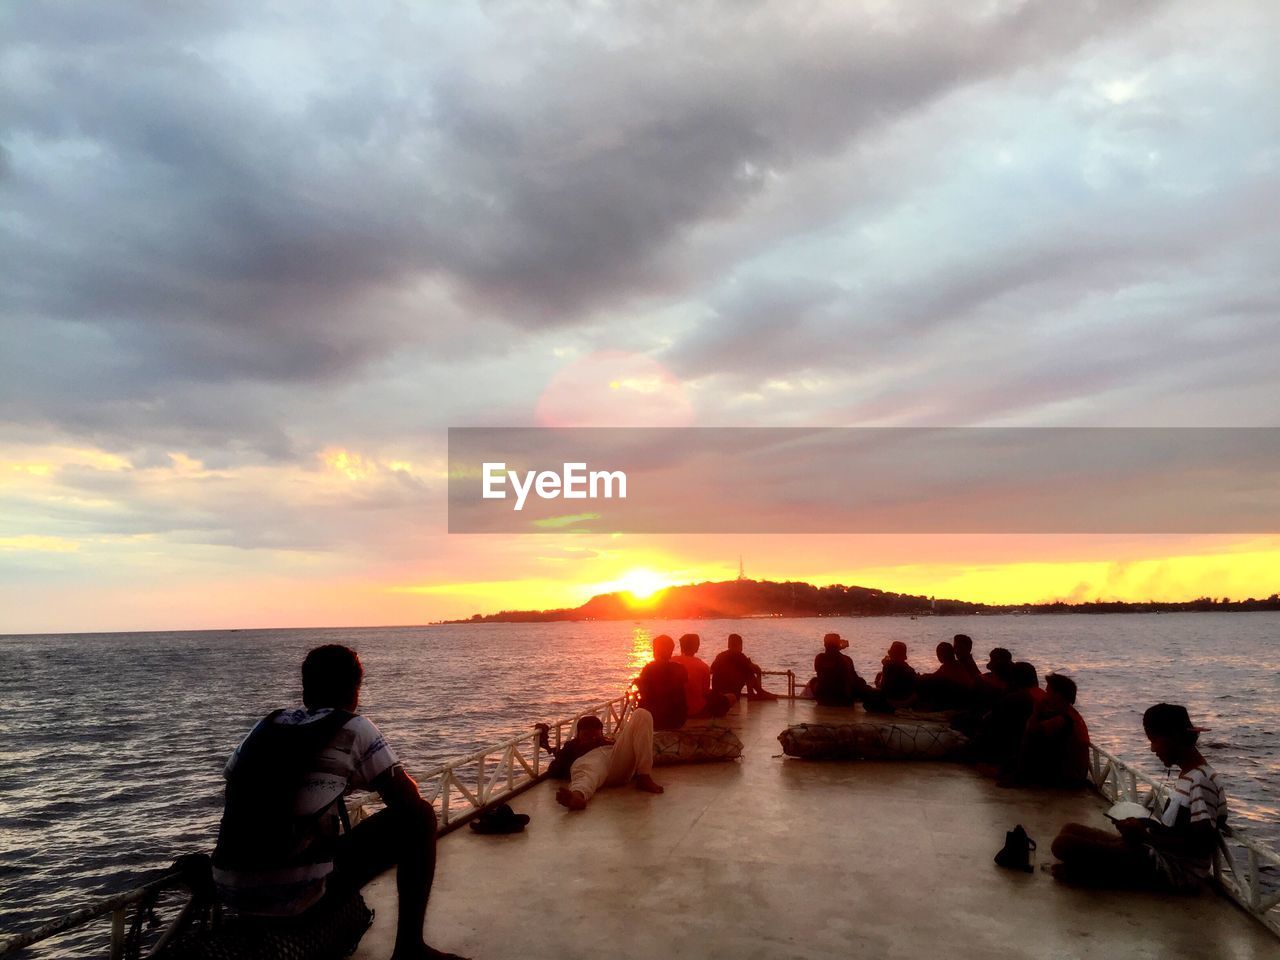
<point>836,683</point>
<point>1172,850</point>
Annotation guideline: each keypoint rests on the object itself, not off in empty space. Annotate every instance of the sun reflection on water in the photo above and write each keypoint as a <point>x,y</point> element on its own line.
<point>641,649</point>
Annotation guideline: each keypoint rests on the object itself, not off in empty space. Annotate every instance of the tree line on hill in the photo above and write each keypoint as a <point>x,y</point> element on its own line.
<point>732,599</point>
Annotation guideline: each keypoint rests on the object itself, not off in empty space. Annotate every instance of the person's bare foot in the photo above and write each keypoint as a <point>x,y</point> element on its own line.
<point>646,783</point>
<point>423,952</point>
<point>571,799</point>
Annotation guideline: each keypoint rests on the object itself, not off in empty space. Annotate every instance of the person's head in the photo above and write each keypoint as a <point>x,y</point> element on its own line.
<point>331,677</point>
<point>898,651</point>
<point>590,729</point>
<point>1172,734</point>
<point>833,641</point>
<point>1000,661</point>
<point>689,643</point>
<point>1060,685</point>
<point>735,643</point>
<point>946,652</point>
<point>963,644</point>
<point>663,647</point>
<point>1023,676</point>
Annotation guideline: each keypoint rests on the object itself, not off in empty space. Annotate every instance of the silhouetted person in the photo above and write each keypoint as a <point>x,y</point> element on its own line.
<point>732,671</point>
<point>1055,742</point>
<point>836,682</point>
<point>963,646</point>
<point>950,686</point>
<point>281,849</point>
<point>1173,850</point>
<point>897,678</point>
<point>999,671</point>
<point>590,760</point>
<point>700,699</point>
<point>662,687</point>
<point>836,679</point>
<point>1000,738</point>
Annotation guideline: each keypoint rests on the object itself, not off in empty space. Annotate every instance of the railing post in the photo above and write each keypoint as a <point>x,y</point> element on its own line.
<point>445,790</point>
<point>117,933</point>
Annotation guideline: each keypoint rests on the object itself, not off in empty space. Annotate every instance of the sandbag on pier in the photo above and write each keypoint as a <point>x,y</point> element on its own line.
<point>701,745</point>
<point>874,739</point>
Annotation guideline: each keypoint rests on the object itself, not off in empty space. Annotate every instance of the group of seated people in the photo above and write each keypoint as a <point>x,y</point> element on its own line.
<point>1022,732</point>
<point>675,688</point>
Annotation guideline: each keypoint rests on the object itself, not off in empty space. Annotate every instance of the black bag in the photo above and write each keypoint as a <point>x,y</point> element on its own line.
<point>1016,854</point>
<point>260,828</point>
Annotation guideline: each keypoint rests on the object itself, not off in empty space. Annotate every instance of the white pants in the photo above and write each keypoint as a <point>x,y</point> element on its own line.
<point>631,755</point>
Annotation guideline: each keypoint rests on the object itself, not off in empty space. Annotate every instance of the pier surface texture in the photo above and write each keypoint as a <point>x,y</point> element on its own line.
<point>770,857</point>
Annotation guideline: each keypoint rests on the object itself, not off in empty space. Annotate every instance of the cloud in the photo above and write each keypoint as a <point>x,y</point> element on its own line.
<point>210,196</point>
<point>249,235</point>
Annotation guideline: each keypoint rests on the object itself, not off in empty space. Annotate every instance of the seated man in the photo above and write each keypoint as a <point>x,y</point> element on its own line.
<point>999,738</point>
<point>897,678</point>
<point>662,687</point>
<point>836,682</point>
<point>950,686</point>
<point>590,760</point>
<point>1055,743</point>
<point>962,643</point>
<point>1000,667</point>
<point>732,670</point>
<point>999,670</point>
<point>280,847</point>
<point>1172,851</point>
<point>700,699</point>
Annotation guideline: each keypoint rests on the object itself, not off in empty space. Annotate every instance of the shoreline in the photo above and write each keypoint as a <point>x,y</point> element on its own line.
<point>493,620</point>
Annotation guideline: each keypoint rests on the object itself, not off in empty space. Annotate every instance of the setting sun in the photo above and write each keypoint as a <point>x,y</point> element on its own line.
<point>641,584</point>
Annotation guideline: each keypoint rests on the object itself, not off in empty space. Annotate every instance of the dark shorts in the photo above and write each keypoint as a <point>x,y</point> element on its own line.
<point>377,844</point>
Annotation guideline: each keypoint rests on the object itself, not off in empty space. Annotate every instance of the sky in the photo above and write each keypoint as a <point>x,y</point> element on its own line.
<point>256,259</point>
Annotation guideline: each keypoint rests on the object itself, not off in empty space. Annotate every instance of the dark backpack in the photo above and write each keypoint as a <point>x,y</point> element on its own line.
<point>260,828</point>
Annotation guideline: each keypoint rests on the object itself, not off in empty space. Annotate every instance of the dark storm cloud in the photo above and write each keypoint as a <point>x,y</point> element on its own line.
<point>199,196</point>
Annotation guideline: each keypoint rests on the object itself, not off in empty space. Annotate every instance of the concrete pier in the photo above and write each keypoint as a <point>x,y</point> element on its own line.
<point>776,858</point>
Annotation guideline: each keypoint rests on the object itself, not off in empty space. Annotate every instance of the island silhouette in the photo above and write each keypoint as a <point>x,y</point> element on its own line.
<point>742,598</point>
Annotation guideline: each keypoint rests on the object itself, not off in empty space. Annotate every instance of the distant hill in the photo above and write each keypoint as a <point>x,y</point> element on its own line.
<point>733,599</point>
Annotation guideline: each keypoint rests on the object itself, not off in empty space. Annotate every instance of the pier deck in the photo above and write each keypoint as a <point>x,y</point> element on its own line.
<point>776,858</point>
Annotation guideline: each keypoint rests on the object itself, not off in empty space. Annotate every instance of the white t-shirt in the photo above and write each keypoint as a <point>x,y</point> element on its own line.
<point>1198,792</point>
<point>355,756</point>
<point>1196,797</point>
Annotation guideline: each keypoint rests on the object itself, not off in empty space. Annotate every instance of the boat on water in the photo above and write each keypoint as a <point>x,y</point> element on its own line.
<point>773,857</point>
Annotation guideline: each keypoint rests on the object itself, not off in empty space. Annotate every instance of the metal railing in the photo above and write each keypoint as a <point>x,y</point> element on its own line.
<point>1115,781</point>
<point>791,680</point>
<point>460,789</point>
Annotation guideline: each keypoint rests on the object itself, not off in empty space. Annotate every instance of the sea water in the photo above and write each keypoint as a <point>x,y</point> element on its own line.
<point>112,745</point>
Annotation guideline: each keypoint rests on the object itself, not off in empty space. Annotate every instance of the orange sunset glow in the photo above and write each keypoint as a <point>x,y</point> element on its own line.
<point>234,410</point>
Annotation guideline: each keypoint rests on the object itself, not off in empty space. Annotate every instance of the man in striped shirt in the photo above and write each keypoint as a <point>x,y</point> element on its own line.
<point>1172,851</point>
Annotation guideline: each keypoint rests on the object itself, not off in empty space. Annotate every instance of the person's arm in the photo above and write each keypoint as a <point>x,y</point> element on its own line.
<point>398,790</point>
